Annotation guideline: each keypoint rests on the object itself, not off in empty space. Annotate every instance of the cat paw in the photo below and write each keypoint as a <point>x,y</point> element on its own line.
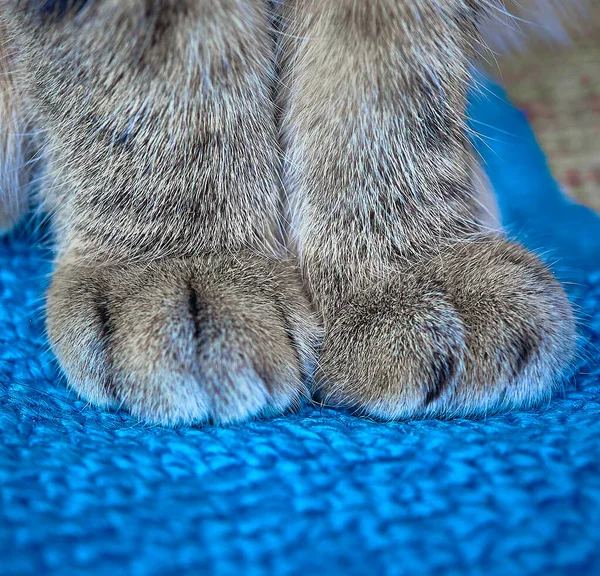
<point>183,341</point>
<point>483,326</point>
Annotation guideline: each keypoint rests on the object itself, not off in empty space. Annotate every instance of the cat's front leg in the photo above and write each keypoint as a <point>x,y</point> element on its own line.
<point>426,310</point>
<point>170,295</point>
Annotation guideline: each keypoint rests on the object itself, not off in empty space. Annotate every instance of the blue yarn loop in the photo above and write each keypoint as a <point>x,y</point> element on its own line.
<point>85,491</point>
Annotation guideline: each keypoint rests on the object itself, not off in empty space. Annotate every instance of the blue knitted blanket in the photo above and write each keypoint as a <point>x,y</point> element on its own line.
<point>84,491</point>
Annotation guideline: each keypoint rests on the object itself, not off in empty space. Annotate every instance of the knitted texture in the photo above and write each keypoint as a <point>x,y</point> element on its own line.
<point>84,491</point>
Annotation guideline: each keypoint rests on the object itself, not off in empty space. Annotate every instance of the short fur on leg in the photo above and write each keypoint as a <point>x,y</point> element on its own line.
<point>426,310</point>
<point>171,295</point>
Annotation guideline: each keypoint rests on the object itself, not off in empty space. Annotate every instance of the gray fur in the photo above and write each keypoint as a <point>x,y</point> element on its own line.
<point>176,204</point>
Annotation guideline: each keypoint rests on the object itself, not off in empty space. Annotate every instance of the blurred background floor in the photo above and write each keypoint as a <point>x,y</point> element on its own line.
<point>559,90</point>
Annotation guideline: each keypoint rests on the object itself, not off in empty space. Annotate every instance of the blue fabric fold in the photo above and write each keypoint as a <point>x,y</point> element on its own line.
<point>534,208</point>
